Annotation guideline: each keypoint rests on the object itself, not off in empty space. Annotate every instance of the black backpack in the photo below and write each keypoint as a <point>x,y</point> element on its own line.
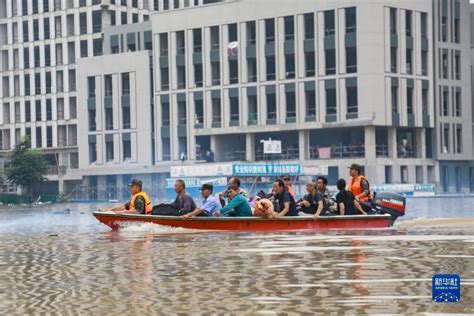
<point>167,210</point>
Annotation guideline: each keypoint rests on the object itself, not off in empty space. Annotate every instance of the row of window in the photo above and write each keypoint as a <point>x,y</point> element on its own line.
<point>37,111</point>
<point>32,56</point>
<point>455,100</point>
<point>454,132</point>
<point>131,42</point>
<point>270,57</point>
<point>449,13</point>
<point>450,70</point>
<point>66,134</point>
<point>271,106</point>
<point>49,7</point>
<point>410,97</point>
<point>110,148</point>
<point>32,84</point>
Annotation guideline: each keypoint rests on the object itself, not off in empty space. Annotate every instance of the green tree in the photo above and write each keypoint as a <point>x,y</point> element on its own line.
<point>27,167</point>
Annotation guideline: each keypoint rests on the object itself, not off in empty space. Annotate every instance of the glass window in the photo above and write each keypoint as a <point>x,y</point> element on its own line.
<point>127,148</point>
<point>351,20</point>
<point>271,106</point>
<point>329,23</point>
<point>269,30</point>
<point>109,150</point>
<point>125,83</point>
<point>408,22</point>
<point>409,100</point>
<point>309,26</point>
<point>270,63</point>
<point>310,98</point>
<point>92,119</point>
<point>289,28</point>
<point>165,83</point>
<point>251,33</point>
<point>352,100</point>
<point>393,21</point>
<point>290,105</point>
<point>331,101</point>
<point>197,40</point>
<point>310,67</point>
<point>290,66</point>
<point>126,117</point>
<point>330,57</point>
<point>351,59</point>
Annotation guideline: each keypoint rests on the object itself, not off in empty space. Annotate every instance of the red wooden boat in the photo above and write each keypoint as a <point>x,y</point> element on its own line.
<point>297,223</point>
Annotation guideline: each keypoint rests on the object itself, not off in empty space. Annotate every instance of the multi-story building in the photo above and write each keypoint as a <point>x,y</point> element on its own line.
<point>453,99</point>
<point>40,42</point>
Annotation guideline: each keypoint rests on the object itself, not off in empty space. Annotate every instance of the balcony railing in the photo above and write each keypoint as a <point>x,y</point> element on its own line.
<point>381,151</point>
<point>337,152</point>
<point>286,154</point>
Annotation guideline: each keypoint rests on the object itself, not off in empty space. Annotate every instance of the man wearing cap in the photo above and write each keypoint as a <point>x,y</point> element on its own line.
<point>209,206</point>
<point>287,180</point>
<point>139,203</point>
<point>358,184</point>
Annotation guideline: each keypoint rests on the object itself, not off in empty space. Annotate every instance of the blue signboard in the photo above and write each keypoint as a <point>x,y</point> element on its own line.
<point>446,288</point>
<point>266,169</point>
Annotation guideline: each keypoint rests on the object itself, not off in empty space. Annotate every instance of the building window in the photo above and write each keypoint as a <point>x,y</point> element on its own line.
<point>109,119</point>
<point>351,20</point>
<point>197,40</point>
<point>290,105</point>
<point>424,101</point>
<point>163,44</point>
<point>310,98</point>
<point>92,149</point>
<point>409,56</point>
<point>290,66</point>
<point>445,101</point>
<point>444,65</point>
<point>216,111</point>
<point>233,71</point>
<point>271,106</point>
<point>131,42</point>
<point>404,174</point>
<point>125,83</point>
<point>393,59</point>
<point>215,38</point>
<point>330,57</point>
<point>49,110</point>
<point>457,65</point>
<point>458,105</point>
<point>409,100</point>
<point>251,33</point>
<point>182,117</point>
<point>234,110</point>
<point>92,119</point>
<point>351,59</point>
<point>446,139</point>
<point>424,62</point>
<point>444,20</point>
<point>310,66</point>
<point>27,111</point>
<point>252,109</point>
<point>109,149</point>
<point>198,75</point>
<point>331,101</point>
<point>329,23</point>
<point>108,85</point>
<point>252,69</point>
<point>215,73</point>
<point>457,26</point>
<point>147,40</point>
<point>289,23</point>
<point>180,44</point>
<point>459,139</point>
<point>393,21</point>
<point>199,113</point>
<point>309,26</point>
<point>270,64</point>
<point>408,22</point>
<point>424,25</point>
<point>38,116</point>
<point>269,31</point>
<point>165,81</point>
<point>126,117</point>
<point>181,78</point>
<point>352,107</point>
<point>127,147</point>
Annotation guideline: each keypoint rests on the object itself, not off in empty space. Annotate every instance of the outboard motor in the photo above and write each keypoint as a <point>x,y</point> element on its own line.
<point>390,203</point>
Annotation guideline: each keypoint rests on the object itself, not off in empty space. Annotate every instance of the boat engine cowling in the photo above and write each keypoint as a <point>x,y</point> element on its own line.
<point>390,203</point>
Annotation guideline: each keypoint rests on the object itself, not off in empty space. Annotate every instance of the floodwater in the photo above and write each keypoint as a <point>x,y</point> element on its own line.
<point>69,263</point>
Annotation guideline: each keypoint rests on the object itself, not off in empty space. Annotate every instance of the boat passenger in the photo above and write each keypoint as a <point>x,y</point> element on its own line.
<point>233,181</point>
<point>360,187</point>
<point>313,202</point>
<point>285,201</point>
<point>288,187</point>
<point>209,205</point>
<point>139,203</point>
<point>183,201</point>
<point>346,202</point>
<point>238,205</point>
<point>321,185</point>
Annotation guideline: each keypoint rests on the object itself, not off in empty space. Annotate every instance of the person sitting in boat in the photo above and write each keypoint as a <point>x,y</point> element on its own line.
<point>346,202</point>
<point>238,205</point>
<point>288,186</point>
<point>139,203</point>
<point>209,206</point>
<point>286,205</point>
<point>234,181</point>
<point>183,201</point>
<point>313,202</point>
<point>321,186</point>
<point>359,186</point>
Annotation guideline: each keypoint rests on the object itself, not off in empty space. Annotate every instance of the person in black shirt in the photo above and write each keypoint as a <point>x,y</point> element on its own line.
<point>346,202</point>
<point>286,203</point>
<point>183,201</point>
<point>308,204</point>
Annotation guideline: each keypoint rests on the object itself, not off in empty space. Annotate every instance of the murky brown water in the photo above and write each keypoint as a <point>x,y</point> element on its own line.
<point>69,263</point>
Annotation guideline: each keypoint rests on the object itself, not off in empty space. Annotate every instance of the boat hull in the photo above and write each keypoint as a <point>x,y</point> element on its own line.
<point>114,221</point>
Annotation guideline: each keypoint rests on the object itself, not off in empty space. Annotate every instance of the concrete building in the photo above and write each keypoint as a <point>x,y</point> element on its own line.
<point>40,41</point>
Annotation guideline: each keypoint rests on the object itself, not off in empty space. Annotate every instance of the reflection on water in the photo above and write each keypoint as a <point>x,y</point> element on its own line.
<point>70,262</point>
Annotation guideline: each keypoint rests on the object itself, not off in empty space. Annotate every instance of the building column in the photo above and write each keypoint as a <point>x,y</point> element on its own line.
<point>392,142</point>
<point>303,144</point>
<point>250,147</point>
<point>420,142</point>
<point>215,147</point>
<point>369,148</point>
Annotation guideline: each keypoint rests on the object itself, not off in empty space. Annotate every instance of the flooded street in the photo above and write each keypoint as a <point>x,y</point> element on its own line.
<point>69,262</point>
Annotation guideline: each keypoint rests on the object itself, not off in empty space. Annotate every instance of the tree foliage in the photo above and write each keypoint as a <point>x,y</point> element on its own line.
<point>27,166</point>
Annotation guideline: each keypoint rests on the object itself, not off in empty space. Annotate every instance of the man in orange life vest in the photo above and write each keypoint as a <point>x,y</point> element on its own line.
<point>139,203</point>
<point>359,186</point>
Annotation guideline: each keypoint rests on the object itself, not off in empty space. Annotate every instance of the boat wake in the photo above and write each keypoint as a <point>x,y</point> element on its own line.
<point>423,222</point>
<point>151,228</point>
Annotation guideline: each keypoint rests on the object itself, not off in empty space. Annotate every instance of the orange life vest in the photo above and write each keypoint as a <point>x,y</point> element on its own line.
<point>355,186</point>
<point>148,206</point>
